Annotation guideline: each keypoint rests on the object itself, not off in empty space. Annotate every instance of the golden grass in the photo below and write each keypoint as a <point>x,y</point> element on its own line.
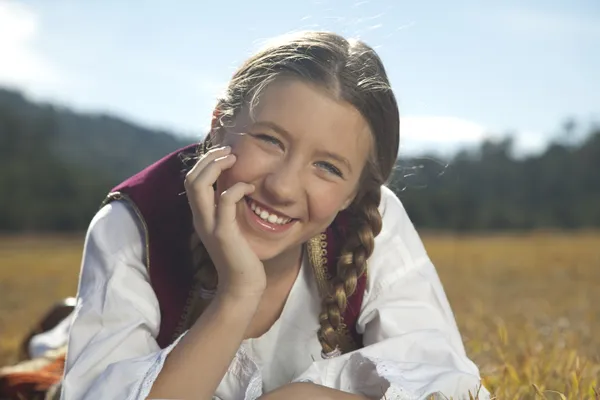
<point>34,273</point>
<point>528,306</point>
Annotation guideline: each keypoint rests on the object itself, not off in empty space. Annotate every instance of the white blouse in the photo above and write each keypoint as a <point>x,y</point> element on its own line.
<point>412,346</point>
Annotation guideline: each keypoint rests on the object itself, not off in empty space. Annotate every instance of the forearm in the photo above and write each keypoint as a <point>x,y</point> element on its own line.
<point>198,363</point>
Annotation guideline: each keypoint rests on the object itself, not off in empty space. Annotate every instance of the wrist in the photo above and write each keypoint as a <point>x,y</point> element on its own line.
<point>242,291</point>
<point>232,311</point>
<point>229,298</point>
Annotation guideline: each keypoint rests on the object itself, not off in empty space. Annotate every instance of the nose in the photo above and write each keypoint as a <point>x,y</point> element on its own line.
<point>283,183</point>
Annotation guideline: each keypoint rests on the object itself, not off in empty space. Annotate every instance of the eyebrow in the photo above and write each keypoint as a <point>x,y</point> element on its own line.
<point>279,129</point>
<point>336,157</point>
<point>273,126</point>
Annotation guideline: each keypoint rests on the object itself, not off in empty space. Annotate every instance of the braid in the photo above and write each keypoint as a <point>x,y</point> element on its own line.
<point>351,265</point>
<point>205,274</point>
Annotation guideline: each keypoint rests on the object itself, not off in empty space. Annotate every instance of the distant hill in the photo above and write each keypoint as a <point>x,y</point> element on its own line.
<point>56,166</point>
<point>113,147</point>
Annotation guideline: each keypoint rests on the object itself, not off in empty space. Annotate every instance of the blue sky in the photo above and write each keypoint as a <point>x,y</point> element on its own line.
<point>461,69</point>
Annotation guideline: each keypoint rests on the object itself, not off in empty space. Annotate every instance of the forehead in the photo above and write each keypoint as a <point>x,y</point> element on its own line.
<point>314,117</point>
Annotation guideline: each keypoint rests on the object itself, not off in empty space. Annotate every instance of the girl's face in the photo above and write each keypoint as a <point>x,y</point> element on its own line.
<point>304,152</point>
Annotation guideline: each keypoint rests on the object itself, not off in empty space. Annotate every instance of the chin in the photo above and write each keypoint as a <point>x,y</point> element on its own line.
<point>265,251</point>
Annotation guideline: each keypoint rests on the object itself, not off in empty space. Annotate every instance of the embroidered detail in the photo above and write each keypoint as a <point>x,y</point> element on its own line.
<point>122,196</point>
<point>246,370</point>
<point>317,254</point>
<point>397,393</point>
<point>334,353</point>
<point>145,385</point>
<point>393,385</point>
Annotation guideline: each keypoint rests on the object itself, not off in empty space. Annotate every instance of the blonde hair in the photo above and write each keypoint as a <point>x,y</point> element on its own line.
<point>352,72</point>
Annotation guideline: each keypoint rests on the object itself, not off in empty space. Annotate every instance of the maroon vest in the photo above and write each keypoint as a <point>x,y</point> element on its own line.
<point>157,195</point>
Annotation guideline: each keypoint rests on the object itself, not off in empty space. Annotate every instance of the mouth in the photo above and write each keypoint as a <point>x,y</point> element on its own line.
<point>266,218</point>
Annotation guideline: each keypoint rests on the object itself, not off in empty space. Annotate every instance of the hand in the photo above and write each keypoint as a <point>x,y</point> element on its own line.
<point>240,271</point>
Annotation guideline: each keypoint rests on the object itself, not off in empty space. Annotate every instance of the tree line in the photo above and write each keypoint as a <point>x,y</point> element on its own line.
<point>491,189</point>
<point>56,166</point>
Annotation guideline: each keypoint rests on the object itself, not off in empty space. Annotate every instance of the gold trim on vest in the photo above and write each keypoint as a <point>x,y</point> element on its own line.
<point>317,254</point>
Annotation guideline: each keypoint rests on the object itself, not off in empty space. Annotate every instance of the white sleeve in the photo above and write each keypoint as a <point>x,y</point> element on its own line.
<point>112,352</point>
<point>412,345</point>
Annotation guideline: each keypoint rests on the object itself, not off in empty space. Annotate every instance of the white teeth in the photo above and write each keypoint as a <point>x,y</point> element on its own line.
<point>264,214</point>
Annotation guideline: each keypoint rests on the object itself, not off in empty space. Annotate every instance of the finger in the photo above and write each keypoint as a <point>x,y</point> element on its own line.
<point>206,159</point>
<point>226,209</point>
<point>209,174</point>
<point>201,191</point>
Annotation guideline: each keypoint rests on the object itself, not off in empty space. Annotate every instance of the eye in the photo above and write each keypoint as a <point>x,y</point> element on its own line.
<point>269,139</point>
<point>330,168</point>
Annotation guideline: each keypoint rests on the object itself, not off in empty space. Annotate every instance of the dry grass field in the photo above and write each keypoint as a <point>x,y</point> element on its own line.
<point>528,306</point>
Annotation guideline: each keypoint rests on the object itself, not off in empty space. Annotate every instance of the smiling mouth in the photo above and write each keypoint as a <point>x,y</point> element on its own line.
<point>268,216</point>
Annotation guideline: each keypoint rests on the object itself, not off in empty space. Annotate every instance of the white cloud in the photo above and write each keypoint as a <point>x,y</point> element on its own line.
<point>22,65</point>
<point>445,135</point>
<point>441,134</point>
<point>440,129</point>
<point>528,142</point>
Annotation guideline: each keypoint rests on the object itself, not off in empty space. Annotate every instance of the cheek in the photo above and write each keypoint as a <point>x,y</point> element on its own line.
<point>249,165</point>
<point>324,205</point>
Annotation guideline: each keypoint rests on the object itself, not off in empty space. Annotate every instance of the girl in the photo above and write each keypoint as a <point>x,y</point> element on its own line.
<point>270,261</point>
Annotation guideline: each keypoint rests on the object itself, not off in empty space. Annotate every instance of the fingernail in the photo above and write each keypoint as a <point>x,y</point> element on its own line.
<point>226,148</point>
